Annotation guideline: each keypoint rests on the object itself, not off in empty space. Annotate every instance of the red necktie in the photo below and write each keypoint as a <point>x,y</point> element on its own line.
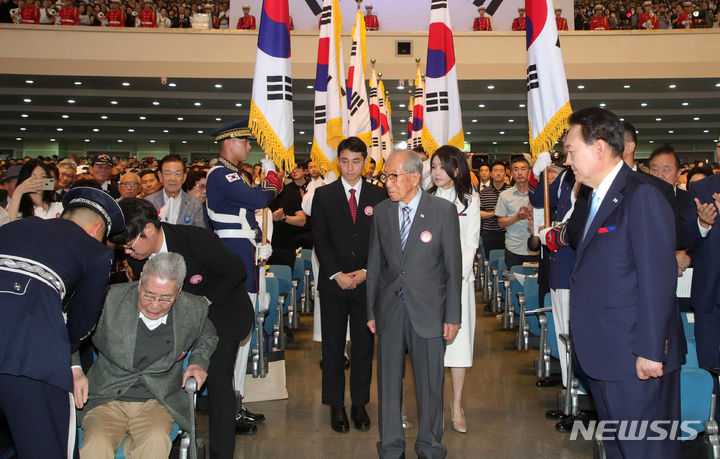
<point>353,204</point>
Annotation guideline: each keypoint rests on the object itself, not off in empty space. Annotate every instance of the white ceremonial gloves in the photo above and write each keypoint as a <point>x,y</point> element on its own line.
<point>264,251</point>
<point>267,165</point>
<point>541,163</point>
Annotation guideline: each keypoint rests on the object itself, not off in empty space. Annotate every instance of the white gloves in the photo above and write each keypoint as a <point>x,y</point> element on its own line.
<point>541,163</point>
<point>264,251</point>
<point>543,235</point>
<point>267,165</point>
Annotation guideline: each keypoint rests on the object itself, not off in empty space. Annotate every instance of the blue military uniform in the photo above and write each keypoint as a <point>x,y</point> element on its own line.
<point>231,204</point>
<point>52,284</point>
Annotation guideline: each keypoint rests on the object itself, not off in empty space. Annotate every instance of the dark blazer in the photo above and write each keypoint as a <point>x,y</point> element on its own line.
<point>622,294</point>
<point>706,275</point>
<point>340,244</point>
<point>213,271</point>
<point>113,190</point>
<point>114,372</point>
<point>428,271</point>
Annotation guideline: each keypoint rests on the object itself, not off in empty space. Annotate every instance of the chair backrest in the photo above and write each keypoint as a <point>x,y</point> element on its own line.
<point>696,387</point>
<point>283,274</point>
<point>691,360</point>
<point>494,256</point>
<point>273,288</point>
<point>524,270</point>
<point>306,255</point>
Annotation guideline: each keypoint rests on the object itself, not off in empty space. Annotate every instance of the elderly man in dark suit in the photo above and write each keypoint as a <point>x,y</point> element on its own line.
<point>624,321</point>
<point>413,300</point>
<point>172,202</point>
<point>134,388</point>
<point>342,213</point>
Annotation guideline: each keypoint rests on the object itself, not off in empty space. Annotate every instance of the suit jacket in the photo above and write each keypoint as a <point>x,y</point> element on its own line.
<point>428,271</point>
<point>704,295</point>
<point>113,372</point>
<point>113,190</point>
<point>622,288</point>
<point>340,244</point>
<point>191,210</point>
<point>213,271</point>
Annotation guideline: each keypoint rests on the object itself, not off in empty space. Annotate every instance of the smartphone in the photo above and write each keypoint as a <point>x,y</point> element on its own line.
<point>48,184</point>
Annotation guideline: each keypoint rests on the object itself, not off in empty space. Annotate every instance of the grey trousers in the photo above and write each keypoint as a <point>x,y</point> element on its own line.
<point>427,356</point>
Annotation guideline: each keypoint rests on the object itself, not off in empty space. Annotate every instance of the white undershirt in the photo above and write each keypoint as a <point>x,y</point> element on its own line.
<point>152,324</point>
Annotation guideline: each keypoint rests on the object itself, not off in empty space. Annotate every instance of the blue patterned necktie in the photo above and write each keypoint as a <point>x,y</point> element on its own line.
<point>405,228</point>
<point>595,204</point>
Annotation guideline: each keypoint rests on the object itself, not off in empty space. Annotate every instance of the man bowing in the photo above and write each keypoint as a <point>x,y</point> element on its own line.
<point>413,296</point>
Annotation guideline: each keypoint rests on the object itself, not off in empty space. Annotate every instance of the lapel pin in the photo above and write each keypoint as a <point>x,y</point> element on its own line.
<point>615,200</point>
<point>422,215</point>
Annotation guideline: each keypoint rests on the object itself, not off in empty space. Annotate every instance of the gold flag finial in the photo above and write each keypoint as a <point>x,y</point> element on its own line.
<point>372,61</point>
<point>417,60</point>
<point>379,74</point>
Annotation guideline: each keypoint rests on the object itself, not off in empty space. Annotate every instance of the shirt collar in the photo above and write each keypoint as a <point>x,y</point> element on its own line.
<point>152,324</point>
<point>413,205</point>
<point>604,186</point>
<point>163,248</point>
<point>348,187</point>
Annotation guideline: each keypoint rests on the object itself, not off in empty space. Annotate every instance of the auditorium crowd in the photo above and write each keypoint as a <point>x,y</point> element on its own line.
<point>619,15</point>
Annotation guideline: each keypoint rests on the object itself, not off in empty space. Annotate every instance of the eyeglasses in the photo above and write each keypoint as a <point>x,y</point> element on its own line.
<point>165,300</point>
<point>200,186</point>
<point>132,247</point>
<point>129,183</point>
<point>394,177</point>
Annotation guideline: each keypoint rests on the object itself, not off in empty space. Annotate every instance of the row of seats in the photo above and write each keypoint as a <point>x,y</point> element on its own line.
<point>513,295</point>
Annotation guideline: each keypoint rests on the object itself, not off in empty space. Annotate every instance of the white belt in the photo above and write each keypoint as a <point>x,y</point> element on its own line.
<point>236,234</point>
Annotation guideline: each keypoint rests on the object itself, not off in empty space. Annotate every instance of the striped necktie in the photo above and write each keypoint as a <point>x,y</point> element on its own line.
<point>405,228</point>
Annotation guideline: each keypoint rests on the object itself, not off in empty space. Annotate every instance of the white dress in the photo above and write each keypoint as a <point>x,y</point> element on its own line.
<point>459,352</point>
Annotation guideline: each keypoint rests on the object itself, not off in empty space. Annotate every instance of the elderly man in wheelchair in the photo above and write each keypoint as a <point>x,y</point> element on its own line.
<point>133,392</point>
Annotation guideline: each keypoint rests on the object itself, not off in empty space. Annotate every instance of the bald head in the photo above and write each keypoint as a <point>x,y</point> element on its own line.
<point>89,220</point>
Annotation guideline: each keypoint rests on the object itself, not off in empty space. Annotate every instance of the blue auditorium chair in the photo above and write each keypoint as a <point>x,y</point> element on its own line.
<point>496,258</point>
<point>288,286</point>
<point>527,301</point>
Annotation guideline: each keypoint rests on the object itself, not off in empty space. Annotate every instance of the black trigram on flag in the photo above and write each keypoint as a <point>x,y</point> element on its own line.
<point>279,87</point>
<point>438,4</point>
<point>373,92</point>
<point>532,78</point>
<point>355,103</point>
<point>326,15</point>
<point>492,6</point>
<point>354,49</point>
<point>320,114</point>
<point>375,142</point>
<point>435,101</point>
<point>418,91</point>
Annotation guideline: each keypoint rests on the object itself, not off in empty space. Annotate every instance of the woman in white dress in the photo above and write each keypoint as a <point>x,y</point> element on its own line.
<point>30,196</point>
<point>451,180</point>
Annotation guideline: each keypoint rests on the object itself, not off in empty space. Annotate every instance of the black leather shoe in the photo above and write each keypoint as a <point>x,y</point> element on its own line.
<point>246,415</point>
<point>360,418</point>
<point>245,428</point>
<point>338,419</point>
<point>554,415</point>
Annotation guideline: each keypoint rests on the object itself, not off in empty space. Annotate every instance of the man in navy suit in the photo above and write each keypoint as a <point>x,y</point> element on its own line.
<point>624,321</point>
<point>702,236</point>
<point>342,213</point>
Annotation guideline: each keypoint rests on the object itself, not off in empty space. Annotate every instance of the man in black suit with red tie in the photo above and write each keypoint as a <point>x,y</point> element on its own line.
<point>342,212</point>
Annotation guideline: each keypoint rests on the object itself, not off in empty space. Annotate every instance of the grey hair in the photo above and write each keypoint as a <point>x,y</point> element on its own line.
<point>67,164</point>
<point>411,163</point>
<point>166,266</point>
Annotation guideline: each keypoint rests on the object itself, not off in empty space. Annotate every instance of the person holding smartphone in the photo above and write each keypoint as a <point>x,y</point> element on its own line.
<point>34,193</point>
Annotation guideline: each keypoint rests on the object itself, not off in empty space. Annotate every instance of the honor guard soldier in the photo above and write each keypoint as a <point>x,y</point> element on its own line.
<point>51,295</point>
<point>371,21</point>
<point>648,20</point>
<point>246,21</point>
<point>30,14</point>
<point>685,19</point>
<point>519,22</point>
<point>560,21</point>
<point>147,17</point>
<point>115,17</point>
<point>69,15</point>
<point>599,22</point>
<point>482,22</point>
<point>231,205</point>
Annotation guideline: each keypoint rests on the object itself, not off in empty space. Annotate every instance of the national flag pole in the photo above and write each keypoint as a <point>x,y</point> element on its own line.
<point>418,106</point>
<point>271,108</point>
<point>548,97</point>
<point>375,146</point>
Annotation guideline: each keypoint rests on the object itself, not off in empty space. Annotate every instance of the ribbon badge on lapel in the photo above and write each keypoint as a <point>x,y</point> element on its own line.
<point>369,211</point>
<point>426,236</point>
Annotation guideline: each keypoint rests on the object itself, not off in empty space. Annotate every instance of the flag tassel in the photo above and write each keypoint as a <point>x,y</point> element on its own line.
<point>552,131</point>
<point>269,140</point>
